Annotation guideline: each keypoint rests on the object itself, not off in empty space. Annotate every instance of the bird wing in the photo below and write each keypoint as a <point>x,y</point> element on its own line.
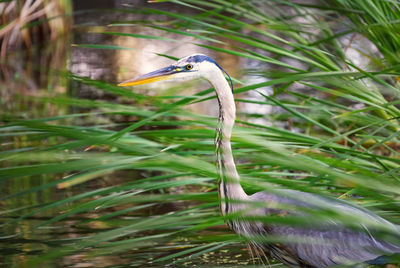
<point>336,246</point>
<point>327,242</point>
<point>298,200</point>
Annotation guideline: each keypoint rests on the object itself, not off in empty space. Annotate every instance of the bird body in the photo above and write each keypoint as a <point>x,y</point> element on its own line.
<point>327,244</point>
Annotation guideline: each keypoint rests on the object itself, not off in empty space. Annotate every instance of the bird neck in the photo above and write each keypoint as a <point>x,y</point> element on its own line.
<point>229,186</point>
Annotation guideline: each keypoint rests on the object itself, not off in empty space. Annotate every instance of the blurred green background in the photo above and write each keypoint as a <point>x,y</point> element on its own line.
<point>93,175</point>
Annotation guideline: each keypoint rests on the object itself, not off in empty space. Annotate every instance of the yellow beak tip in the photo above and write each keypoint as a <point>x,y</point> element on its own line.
<point>123,84</point>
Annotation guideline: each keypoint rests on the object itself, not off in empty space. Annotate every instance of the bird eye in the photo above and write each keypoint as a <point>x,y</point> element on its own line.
<point>189,67</point>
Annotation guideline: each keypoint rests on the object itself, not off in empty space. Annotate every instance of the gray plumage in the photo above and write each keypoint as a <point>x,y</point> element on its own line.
<point>329,243</point>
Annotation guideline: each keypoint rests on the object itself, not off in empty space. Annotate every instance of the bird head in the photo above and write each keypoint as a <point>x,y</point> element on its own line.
<point>187,68</point>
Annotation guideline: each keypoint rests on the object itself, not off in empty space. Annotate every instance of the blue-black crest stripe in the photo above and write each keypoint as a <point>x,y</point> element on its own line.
<point>201,58</point>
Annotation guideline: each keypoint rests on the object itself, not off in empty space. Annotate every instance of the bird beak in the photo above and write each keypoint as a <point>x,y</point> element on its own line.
<point>159,75</point>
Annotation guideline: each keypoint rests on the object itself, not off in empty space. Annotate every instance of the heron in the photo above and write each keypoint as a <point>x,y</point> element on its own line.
<point>336,244</point>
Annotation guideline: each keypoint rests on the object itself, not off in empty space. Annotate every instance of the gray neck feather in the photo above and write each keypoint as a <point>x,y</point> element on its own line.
<point>229,185</point>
